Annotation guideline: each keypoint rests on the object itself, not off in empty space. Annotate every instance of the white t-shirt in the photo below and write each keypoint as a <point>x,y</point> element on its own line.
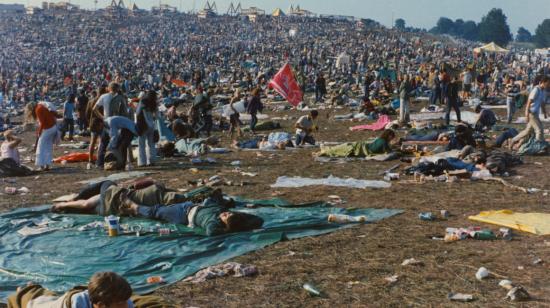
<point>104,101</point>
<point>7,152</point>
<point>538,96</point>
<point>304,122</point>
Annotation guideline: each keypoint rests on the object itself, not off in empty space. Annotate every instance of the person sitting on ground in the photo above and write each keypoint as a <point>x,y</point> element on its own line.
<point>104,290</point>
<point>213,215</point>
<point>367,107</point>
<point>462,139</point>
<point>486,119</point>
<point>8,149</point>
<point>305,127</point>
<point>380,145</point>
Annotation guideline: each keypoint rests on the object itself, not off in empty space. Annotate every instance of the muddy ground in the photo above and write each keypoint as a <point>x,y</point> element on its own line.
<point>349,266</point>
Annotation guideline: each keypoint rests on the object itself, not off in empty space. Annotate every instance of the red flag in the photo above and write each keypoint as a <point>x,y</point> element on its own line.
<point>285,84</point>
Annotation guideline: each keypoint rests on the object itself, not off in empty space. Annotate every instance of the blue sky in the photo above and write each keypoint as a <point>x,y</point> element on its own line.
<point>417,13</point>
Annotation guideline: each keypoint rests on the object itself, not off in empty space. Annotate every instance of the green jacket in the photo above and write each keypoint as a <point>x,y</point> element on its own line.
<point>208,218</point>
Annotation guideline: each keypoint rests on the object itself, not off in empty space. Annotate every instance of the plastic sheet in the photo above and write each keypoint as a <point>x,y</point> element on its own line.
<point>292,182</point>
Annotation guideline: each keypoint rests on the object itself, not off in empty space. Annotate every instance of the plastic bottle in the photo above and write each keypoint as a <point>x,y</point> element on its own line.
<point>311,289</point>
<point>429,216</point>
<point>344,219</point>
<point>484,235</point>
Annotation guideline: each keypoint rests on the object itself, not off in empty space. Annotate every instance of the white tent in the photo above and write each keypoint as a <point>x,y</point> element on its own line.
<point>491,48</point>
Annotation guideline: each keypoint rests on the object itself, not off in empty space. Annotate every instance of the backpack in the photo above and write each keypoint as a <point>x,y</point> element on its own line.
<point>119,106</point>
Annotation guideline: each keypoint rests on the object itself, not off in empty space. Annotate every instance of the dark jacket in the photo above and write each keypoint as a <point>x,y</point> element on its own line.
<point>254,105</point>
<point>208,218</point>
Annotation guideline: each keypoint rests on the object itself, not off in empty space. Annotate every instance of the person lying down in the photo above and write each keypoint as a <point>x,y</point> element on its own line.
<point>380,145</point>
<point>212,215</point>
<point>104,290</point>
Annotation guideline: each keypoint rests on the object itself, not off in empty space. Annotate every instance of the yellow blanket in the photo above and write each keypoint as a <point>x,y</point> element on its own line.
<point>536,223</point>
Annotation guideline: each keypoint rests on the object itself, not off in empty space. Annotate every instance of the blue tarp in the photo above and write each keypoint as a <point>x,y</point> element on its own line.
<point>66,256</point>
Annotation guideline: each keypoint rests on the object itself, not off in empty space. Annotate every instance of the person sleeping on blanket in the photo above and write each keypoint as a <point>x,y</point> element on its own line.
<point>104,290</point>
<point>213,215</point>
<point>380,145</point>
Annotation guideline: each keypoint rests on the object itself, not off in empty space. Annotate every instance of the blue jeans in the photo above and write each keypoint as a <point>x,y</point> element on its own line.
<point>435,95</point>
<point>68,125</point>
<point>103,142</point>
<point>454,105</point>
<point>510,109</point>
<point>508,134</point>
<point>459,164</point>
<point>318,94</point>
<point>306,139</point>
<point>253,121</point>
<point>175,213</point>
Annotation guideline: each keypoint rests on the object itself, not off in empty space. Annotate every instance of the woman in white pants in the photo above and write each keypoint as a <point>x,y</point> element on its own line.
<point>146,117</point>
<point>47,134</point>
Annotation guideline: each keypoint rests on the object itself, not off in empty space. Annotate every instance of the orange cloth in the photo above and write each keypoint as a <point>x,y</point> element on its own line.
<point>74,158</point>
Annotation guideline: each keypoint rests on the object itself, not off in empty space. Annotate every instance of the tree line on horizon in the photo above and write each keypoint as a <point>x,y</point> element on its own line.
<point>493,27</point>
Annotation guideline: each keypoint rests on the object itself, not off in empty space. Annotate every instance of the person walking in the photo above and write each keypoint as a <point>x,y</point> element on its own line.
<point>68,117</point>
<point>146,119</point>
<point>535,104</point>
<point>453,101</point>
<point>254,106</point>
<point>405,90</point>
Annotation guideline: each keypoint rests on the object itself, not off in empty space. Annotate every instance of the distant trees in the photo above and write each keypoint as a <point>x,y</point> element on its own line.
<point>464,29</point>
<point>494,28</point>
<point>542,34</point>
<point>400,24</point>
<point>523,35</point>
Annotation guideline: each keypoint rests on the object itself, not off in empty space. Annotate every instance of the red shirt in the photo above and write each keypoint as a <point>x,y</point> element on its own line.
<point>46,118</point>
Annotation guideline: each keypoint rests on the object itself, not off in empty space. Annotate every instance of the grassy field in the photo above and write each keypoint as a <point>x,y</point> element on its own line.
<point>350,266</point>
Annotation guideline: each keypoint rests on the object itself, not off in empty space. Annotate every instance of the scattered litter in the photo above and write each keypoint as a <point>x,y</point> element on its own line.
<point>231,268</point>
<point>537,261</point>
<point>518,294</point>
<point>445,214</point>
<point>482,273</point>
<point>155,280</point>
<point>428,216</point>
<point>391,177</point>
<point>312,290</point>
<point>457,234</point>
<point>459,297</point>
<point>236,163</point>
<point>506,284</point>
<point>392,279</point>
<point>412,261</point>
<point>344,219</point>
<point>14,191</point>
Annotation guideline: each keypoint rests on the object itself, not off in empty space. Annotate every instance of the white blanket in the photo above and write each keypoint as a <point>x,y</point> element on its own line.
<point>293,182</point>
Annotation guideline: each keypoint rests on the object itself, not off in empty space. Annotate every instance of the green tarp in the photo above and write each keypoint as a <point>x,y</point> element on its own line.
<point>67,255</point>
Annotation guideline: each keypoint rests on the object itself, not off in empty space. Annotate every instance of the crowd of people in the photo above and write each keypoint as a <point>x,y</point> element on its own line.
<point>160,80</point>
